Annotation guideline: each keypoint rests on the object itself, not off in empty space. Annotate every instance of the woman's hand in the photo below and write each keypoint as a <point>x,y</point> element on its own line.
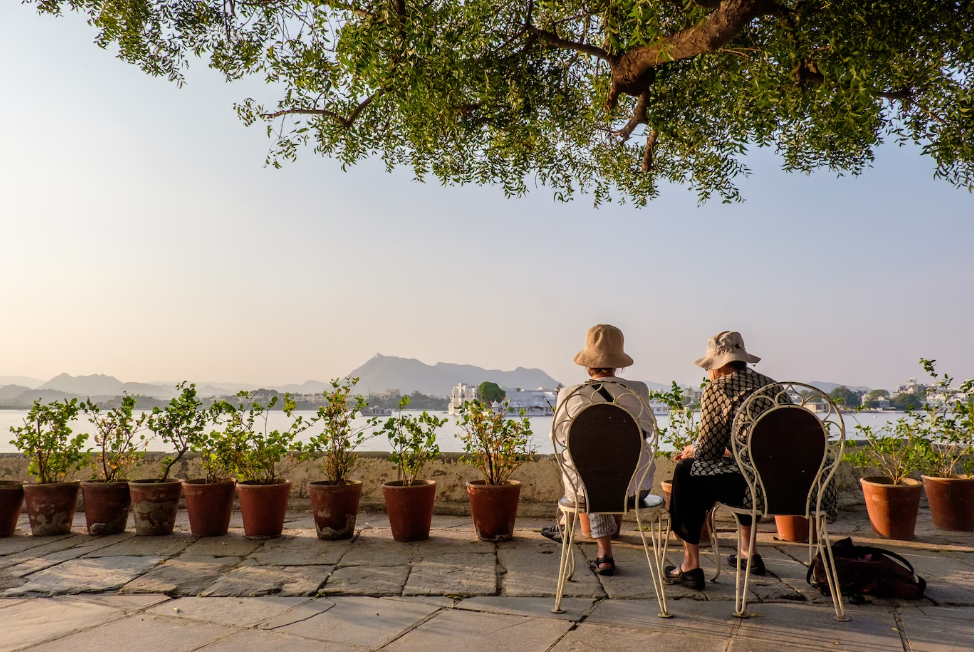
<point>686,453</point>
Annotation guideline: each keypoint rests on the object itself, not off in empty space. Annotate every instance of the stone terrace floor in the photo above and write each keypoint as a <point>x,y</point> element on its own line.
<point>178,593</point>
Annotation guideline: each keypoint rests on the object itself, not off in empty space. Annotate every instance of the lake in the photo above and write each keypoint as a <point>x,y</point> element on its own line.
<point>447,436</point>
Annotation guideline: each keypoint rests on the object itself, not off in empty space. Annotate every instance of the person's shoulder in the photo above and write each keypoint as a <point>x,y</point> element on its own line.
<point>637,386</point>
<point>565,392</point>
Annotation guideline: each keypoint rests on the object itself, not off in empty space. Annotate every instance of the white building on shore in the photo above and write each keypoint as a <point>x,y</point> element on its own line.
<point>462,393</point>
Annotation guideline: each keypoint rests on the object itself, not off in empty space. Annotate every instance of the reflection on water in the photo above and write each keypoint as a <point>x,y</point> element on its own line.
<point>447,435</point>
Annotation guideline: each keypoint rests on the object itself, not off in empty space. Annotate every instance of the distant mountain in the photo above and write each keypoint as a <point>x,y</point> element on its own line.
<point>102,385</point>
<point>828,387</point>
<point>10,391</point>
<point>30,383</point>
<point>26,398</point>
<point>408,375</point>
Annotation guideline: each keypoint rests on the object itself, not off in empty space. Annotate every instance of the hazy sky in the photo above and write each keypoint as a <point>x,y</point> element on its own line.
<point>142,237</point>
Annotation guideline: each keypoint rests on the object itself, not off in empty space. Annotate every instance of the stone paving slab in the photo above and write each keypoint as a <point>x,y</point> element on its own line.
<point>228,611</point>
<point>251,640</point>
<point>142,633</point>
<point>459,574</point>
<point>575,608</point>
<point>366,580</point>
<point>253,581</point>
<point>182,575</point>
<point>228,545</point>
<point>164,546</point>
<point>589,637</point>
<point>938,629</point>
<point>30,622</point>
<point>367,622</point>
<point>481,632</point>
<point>85,575</point>
<point>689,616</point>
<point>299,548</point>
<point>529,567</point>
<point>779,626</point>
<point>125,603</point>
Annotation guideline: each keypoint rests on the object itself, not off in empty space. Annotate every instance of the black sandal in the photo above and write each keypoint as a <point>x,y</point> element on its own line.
<point>605,571</point>
<point>553,532</point>
<point>757,564</point>
<point>692,579</point>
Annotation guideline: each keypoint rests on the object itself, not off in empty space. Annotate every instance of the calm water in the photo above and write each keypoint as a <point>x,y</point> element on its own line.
<point>446,436</point>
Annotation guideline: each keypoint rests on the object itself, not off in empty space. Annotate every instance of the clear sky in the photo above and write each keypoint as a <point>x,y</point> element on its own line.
<point>143,238</point>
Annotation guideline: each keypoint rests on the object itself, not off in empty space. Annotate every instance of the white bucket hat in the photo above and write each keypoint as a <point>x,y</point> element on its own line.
<point>603,349</point>
<point>725,347</point>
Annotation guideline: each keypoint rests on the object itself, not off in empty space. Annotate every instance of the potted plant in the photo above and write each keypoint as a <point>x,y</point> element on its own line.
<point>409,500</point>
<point>11,502</point>
<point>898,451</point>
<point>261,489</point>
<point>209,500</point>
<point>46,440</point>
<point>496,446</point>
<point>335,500</point>
<point>949,430</point>
<point>680,433</point>
<point>156,501</point>
<point>120,440</point>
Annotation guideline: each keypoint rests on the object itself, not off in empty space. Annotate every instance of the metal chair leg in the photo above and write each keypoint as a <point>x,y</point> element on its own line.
<point>740,596</point>
<point>831,573</point>
<point>563,567</point>
<point>714,545</point>
<point>655,573</point>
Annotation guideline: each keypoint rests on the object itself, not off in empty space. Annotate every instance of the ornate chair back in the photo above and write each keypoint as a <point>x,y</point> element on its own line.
<point>605,443</point>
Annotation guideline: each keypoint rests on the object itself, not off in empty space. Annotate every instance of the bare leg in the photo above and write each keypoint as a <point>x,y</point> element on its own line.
<point>605,550</point>
<point>691,557</point>
<point>746,542</point>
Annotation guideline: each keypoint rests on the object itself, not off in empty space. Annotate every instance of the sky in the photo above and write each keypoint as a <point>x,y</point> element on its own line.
<point>141,236</point>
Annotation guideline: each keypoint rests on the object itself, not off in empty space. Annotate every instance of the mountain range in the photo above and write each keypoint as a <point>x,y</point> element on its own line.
<point>379,374</point>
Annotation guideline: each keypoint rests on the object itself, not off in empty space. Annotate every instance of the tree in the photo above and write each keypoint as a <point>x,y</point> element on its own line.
<point>908,401</point>
<point>608,97</point>
<point>489,392</point>
<point>846,397</point>
<point>871,399</point>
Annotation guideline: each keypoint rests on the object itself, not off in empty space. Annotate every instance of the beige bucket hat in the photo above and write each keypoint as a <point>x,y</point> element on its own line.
<point>603,349</point>
<point>725,347</point>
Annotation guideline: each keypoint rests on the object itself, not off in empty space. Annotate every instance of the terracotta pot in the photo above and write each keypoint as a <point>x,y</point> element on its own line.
<point>209,506</point>
<point>263,507</point>
<point>335,507</point>
<point>106,506</point>
<point>667,488</point>
<point>154,505</point>
<point>50,507</point>
<point>11,500</point>
<point>951,502</point>
<point>410,509</point>
<point>792,528</point>
<point>494,509</point>
<point>892,508</point>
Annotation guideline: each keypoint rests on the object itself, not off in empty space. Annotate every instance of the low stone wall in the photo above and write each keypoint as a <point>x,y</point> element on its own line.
<point>540,479</point>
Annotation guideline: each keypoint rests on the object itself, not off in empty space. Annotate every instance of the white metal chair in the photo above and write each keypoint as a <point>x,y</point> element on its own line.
<point>605,458</point>
<point>788,454</point>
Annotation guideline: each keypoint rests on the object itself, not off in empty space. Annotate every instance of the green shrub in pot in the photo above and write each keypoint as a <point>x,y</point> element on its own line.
<point>409,500</point>
<point>335,500</point>
<point>120,446</point>
<point>52,451</point>
<point>209,500</point>
<point>496,446</point>
<point>262,491</point>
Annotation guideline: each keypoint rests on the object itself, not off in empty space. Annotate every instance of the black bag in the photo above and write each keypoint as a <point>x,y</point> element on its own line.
<point>865,570</point>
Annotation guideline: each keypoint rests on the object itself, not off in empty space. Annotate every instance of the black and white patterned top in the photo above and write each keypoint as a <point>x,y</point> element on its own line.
<point>718,407</point>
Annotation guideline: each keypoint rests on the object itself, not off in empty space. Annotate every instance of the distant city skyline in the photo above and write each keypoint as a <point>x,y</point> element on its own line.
<point>143,239</point>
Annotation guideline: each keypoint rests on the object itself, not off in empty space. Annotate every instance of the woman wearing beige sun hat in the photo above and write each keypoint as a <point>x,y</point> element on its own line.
<point>603,355</point>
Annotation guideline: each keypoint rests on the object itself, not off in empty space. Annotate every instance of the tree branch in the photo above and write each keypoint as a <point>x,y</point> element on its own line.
<point>723,24</point>
<point>638,117</point>
<point>556,41</point>
<point>648,152</point>
<point>344,121</point>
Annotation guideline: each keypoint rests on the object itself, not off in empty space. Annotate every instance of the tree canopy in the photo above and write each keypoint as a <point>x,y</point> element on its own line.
<point>489,392</point>
<point>607,97</point>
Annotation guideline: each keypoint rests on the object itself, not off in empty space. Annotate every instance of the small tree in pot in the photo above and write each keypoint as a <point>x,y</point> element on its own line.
<point>681,431</point>
<point>52,452</point>
<point>409,500</point>
<point>335,499</point>
<point>897,451</point>
<point>156,501</point>
<point>496,446</point>
<point>121,442</point>
<point>949,437</point>
<point>262,490</point>
<point>209,500</point>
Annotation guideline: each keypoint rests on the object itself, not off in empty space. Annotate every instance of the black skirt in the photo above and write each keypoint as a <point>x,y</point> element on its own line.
<point>693,496</point>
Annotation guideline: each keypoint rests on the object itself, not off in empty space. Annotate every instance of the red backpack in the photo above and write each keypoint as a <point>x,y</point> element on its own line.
<point>864,570</point>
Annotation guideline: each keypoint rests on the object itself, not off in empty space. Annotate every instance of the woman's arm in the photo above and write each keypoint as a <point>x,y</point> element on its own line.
<point>714,434</point>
